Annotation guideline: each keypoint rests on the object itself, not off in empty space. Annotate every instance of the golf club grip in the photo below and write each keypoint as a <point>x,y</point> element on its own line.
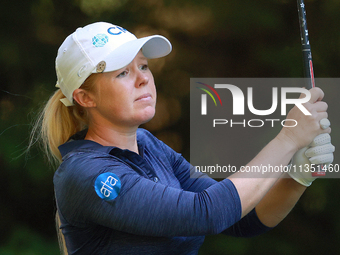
<point>307,58</point>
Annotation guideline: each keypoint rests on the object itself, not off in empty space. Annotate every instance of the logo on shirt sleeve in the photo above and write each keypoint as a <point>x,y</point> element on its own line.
<point>107,186</point>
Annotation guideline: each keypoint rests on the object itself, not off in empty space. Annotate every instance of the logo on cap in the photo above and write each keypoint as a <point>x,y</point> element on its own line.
<point>100,40</point>
<point>116,30</point>
<point>107,186</point>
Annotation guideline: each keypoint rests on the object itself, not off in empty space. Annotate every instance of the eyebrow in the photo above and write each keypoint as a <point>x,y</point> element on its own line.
<point>143,57</point>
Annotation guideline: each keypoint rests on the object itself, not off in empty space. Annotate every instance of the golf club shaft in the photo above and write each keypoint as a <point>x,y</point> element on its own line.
<point>306,49</point>
<point>307,57</point>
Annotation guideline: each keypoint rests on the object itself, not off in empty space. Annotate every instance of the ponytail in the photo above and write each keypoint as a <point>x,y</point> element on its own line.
<point>61,238</point>
<point>56,123</point>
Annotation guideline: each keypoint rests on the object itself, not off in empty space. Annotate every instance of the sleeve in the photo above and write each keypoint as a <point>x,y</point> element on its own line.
<point>185,173</point>
<point>142,206</point>
<point>250,225</point>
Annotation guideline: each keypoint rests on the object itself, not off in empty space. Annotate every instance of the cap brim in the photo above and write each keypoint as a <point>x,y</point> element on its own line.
<point>155,46</point>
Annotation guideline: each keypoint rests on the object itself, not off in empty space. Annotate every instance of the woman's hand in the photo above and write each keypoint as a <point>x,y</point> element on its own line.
<point>308,126</point>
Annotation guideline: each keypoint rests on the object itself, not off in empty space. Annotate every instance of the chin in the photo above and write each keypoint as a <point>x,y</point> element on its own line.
<point>147,116</point>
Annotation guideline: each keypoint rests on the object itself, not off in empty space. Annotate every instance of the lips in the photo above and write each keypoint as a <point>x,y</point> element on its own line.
<point>145,96</point>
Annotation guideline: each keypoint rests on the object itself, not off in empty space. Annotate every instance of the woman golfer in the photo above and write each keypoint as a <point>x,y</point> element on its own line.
<point>120,190</point>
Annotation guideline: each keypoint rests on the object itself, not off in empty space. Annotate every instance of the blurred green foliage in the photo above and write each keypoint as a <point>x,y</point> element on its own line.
<point>25,241</point>
<point>210,39</point>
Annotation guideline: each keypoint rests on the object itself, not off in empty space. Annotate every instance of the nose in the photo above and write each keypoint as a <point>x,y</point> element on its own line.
<point>142,78</point>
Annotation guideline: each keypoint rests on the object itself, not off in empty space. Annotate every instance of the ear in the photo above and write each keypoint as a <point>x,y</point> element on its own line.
<point>84,98</point>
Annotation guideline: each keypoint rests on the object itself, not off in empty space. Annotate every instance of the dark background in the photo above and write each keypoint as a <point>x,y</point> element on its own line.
<point>210,39</point>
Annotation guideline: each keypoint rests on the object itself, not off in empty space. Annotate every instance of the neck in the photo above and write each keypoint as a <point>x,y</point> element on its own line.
<point>110,136</point>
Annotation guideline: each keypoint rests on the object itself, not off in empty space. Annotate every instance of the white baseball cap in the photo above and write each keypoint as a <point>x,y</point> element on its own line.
<point>101,47</point>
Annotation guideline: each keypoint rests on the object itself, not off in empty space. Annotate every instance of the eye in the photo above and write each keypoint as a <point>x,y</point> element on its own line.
<point>144,67</point>
<point>122,74</point>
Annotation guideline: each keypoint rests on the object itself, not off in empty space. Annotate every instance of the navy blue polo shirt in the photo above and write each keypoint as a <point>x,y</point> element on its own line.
<point>114,201</point>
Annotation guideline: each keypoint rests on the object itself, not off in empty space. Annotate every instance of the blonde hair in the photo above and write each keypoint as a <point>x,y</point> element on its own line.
<point>55,124</point>
<point>61,238</point>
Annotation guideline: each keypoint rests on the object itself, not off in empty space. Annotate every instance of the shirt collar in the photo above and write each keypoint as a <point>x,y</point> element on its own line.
<point>77,142</point>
